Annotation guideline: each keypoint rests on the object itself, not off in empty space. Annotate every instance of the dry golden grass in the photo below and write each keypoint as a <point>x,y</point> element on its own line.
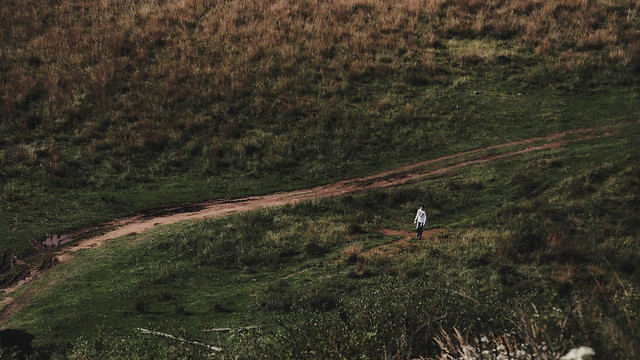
<point>133,60</point>
<point>84,46</point>
<point>351,254</point>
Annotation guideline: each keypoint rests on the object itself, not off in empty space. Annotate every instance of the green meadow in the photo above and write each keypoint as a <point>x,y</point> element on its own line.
<point>537,252</point>
<point>115,108</point>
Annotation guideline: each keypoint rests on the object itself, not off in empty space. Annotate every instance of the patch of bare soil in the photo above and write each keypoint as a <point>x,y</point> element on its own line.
<point>62,247</point>
<point>407,240</point>
<point>12,269</point>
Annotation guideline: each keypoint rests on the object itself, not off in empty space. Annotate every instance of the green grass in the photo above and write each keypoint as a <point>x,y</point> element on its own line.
<point>34,205</point>
<point>547,230</point>
<point>109,111</point>
<point>203,103</point>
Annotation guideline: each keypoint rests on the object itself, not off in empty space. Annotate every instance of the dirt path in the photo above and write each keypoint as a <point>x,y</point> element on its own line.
<point>219,208</point>
<point>389,178</point>
<point>405,242</point>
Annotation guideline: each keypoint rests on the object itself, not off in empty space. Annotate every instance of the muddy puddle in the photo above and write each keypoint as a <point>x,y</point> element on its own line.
<point>56,240</point>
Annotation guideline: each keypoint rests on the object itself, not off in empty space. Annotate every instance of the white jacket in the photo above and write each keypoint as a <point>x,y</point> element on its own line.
<point>421,216</point>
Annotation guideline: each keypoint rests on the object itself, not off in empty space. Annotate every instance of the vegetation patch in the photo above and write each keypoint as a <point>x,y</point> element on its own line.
<point>514,272</point>
<point>111,109</point>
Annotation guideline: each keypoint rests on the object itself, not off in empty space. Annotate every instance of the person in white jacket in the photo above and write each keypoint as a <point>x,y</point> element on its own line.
<point>421,218</point>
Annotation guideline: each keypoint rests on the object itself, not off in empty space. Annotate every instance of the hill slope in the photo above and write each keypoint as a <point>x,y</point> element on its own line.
<point>536,253</point>
<point>113,107</point>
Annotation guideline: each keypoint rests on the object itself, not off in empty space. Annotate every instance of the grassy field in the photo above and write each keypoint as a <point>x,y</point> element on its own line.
<point>114,107</point>
<point>537,253</point>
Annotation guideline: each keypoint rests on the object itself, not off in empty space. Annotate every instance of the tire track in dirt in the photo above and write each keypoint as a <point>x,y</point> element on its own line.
<point>219,208</point>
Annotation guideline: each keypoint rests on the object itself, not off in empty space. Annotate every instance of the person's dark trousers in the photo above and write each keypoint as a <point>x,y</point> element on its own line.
<point>419,230</point>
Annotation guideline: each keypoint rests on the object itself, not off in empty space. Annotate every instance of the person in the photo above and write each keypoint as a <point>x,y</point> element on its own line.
<point>421,218</point>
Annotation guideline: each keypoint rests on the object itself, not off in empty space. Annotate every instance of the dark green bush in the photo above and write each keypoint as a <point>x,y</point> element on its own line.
<point>528,235</point>
<point>314,250</point>
<point>278,297</point>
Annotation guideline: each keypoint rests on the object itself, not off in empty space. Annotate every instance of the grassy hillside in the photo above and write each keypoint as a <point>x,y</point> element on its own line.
<point>113,107</point>
<point>536,253</point>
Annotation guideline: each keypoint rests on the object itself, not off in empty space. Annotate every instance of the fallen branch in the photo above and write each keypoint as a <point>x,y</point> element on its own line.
<point>210,347</point>
<point>231,329</point>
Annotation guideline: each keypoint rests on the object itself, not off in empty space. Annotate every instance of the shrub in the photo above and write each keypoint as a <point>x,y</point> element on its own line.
<point>142,306</point>
<point>313,249</point>
<point>321,301</point>
<point>279,297</point>
<point>355,229</point>
<point>528,234</point>
<point>352,253</point>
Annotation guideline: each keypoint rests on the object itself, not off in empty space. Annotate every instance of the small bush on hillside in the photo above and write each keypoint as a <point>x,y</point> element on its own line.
<point>142,306</point>
<point>321,301</point>
<point>278,297</point>
<point>528,234</point>
<point>356,229</point>
<point>352,253</point>
<point>314,250</point>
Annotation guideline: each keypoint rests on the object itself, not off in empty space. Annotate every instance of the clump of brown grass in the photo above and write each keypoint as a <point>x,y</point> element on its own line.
<point>456,346</point>
<point>352,253</point>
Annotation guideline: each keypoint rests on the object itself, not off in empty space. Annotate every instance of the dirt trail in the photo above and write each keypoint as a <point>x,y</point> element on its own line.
<point>399,176</point>
<point>219,208</point>
<point>407,240</point>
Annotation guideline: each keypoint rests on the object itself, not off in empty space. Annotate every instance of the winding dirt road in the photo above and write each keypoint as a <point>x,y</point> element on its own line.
<point>9,305</point>
<point>398,176</point>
